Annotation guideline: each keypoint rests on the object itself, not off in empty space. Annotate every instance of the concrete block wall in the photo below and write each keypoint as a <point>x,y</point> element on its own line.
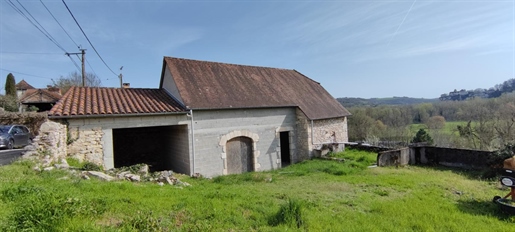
<point>178,149</point>
<point>97,132</point>
<point>214,126</point>
<point>399,157</point>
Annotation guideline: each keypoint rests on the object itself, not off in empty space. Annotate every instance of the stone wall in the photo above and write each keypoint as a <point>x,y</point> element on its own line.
<point>50,141</point>
<point>85,143</point>
<point>326,131</point>
<point>304,144</point>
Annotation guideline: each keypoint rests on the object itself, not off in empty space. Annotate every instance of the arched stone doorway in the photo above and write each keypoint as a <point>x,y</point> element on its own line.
<point>239,140</point>
<point>239,155</point>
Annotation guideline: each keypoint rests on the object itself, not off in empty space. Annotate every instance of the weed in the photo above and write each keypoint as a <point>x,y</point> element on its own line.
<point>73,162</point>
<point>290,213</point>
<point>39,209</point>
<point>143,221</point>
<point>89,166</point>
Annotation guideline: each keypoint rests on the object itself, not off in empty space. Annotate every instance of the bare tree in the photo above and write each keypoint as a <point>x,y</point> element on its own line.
<point>75,79</point>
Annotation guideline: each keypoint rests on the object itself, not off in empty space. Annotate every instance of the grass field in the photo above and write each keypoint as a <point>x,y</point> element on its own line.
<point>315,195</point>
<point>449,129</point>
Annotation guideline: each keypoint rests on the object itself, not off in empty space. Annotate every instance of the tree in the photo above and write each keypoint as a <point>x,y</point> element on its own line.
<point>10,85</point>
<point>435,122</point>
<point>422,137</point>
<point>75,79</point>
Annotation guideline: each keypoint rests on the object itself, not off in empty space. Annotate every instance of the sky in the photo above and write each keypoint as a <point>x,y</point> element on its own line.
<point>352,48</point>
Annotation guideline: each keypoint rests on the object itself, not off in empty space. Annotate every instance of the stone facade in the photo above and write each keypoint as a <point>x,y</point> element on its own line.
<point>51,141</point>
<point>85,143</point>
<point>304,144</point>
<point>318,137</point>
<point>326,131</point>
<point>203,149</point>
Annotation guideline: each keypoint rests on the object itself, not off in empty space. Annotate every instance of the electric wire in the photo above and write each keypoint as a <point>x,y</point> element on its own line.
<point>59,24</point>
<point>75,63</point>
<point>40,28</point>
<point>88,39</point>
<point>24,74</point>
<point>31,53</point>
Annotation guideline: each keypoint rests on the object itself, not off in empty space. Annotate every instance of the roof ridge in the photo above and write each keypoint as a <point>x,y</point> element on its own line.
<point>223,63</point>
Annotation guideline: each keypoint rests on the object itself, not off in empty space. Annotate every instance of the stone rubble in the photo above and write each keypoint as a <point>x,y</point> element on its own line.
<point>142,175</point>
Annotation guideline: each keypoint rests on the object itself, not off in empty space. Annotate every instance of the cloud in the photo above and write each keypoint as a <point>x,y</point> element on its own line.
<point>361,31</point>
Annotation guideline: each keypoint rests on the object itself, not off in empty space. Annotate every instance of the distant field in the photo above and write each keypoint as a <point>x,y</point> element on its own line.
<point>450,127</point>
<point>315,195</point>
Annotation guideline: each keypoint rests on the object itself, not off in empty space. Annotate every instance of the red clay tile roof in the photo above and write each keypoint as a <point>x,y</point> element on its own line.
<point>23,85</point>
<point>212,85</point>
<point>39,96</point>
<point>90,101</point>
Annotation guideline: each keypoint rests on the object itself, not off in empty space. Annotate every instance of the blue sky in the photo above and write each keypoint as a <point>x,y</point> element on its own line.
<point>353,48</point>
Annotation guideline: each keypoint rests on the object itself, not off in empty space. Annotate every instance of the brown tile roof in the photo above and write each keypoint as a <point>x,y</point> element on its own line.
<point>90,101</point>
<point>212,85</point>
<point>39,96</point>
<point>23,85</point>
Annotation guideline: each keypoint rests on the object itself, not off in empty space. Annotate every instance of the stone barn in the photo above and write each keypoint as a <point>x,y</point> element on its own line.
<point>206,117</point>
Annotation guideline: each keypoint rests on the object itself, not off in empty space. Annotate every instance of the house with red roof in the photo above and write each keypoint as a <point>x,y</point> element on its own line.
<point>206,117</point>
<point>43,99</point>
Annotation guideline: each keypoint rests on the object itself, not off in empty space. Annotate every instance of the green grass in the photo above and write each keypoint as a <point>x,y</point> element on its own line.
<point>315,195</point>
<point>449,129</point>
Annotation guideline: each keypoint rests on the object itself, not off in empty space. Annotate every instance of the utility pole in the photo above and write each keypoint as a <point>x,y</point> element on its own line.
<point>121,77</point>
<point>83,67</point>
<point>83,60</point>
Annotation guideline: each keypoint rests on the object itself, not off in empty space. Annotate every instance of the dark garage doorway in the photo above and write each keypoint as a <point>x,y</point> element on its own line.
<point>159,147</point>
<point>285,148</point>
<point>239,155</point>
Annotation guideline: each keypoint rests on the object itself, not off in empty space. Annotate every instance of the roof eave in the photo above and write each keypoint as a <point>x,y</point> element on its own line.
<point>114,115</point>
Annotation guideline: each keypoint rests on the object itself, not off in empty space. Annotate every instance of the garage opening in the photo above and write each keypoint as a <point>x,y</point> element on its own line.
<point>162,148</point>
<point>239,155</point>
<point>285,148</point>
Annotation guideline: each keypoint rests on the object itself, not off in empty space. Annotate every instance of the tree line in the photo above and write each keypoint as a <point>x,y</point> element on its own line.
<point>484,124</point>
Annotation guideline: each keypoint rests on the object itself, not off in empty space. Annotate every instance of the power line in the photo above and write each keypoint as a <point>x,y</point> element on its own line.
<point>25,74</point>
<point>75,63</point>
<point>87,61</point>
<point>34,21</point>
<point>42,29</point>
<point>88,39</point>
<point>59,24</point>
<point>32,53</point>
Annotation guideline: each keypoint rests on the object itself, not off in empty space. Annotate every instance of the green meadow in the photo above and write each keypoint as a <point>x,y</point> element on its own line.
<point>314,195</point>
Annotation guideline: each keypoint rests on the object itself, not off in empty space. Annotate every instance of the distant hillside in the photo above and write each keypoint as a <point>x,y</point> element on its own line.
<point>352,101</point>
<point>493,92</point>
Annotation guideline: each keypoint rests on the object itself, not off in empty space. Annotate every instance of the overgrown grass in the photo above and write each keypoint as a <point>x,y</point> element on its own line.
<point>315,195</point>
